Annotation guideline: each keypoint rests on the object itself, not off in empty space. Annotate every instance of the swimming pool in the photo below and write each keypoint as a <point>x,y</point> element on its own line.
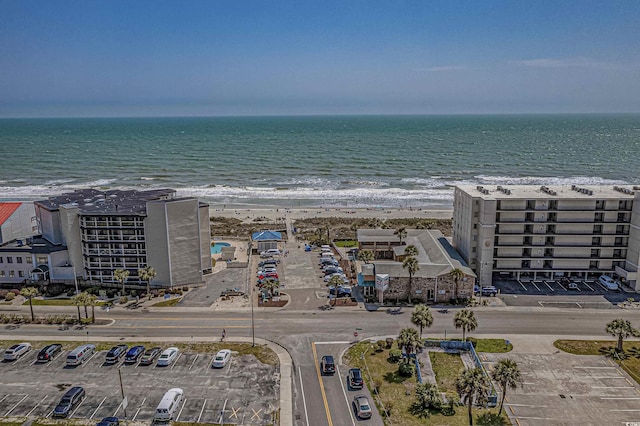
<point>217,247</point>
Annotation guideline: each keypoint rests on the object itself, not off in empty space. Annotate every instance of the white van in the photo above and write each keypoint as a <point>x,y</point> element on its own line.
<point>80,354</point>
<point>169,405</point>
<point>608,282</point>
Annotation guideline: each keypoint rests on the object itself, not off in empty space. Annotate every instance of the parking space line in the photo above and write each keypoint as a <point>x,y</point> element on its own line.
<point>14,407</point>
<point>304,400</point>
<point>201,411</point>
<point>534,284</point>
<point>77,408</point>
<point>547,284</point>
<point>96,410</point>
<point>229,369</point>
<point>138,410</point>
<point>87,361</point>
<point>224,406</point>
<point>5,397</point>
<point>523,286</point>
<point>561,286</point>
<point>37,405</point>
<point>588,286</point>
<point>210,362</point>
<point>173,364</point>
<point>115,413</point>
<point>194,361</point>
<point>184,401</point>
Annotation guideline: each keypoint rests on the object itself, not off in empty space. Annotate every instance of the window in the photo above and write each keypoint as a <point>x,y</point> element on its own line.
<point>18,259</point>
<point>1,274</point>
<point>28,260</point>
<point>12,274</point>
<point>42,260</point>
<point>21,274</point>
<point>1,259</point>
<point>9,259</point>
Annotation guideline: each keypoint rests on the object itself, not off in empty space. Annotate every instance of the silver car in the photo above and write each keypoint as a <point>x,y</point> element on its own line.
<point>362,407</point>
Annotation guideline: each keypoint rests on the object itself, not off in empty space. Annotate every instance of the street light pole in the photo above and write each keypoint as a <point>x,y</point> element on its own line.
<point>75,280</point>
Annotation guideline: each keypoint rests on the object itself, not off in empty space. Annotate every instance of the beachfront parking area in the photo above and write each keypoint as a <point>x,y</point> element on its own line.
<point>245,391</point>
<point>556,293</point>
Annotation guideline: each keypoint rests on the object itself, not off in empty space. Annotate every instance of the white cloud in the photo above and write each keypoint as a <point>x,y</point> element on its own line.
<point>579,62</point>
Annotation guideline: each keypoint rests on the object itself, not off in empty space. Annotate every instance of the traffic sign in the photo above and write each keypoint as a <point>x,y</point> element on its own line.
<point>355,334</point>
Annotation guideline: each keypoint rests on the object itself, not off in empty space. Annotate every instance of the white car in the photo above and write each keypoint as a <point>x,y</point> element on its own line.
<point>266,271</point>
<point>168,356</point>
<point>221,359</point>
<point>16,351</point>
<point>608,282</point>
<point>270,253</point>
<point>327,278</point>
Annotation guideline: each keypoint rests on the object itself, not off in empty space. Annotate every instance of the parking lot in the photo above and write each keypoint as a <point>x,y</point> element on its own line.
<point>587,291</point>
<point>244,392</point>
<point>565,389</point>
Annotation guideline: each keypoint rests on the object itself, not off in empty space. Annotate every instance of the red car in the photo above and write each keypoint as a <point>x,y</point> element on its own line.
<point>268,275</point>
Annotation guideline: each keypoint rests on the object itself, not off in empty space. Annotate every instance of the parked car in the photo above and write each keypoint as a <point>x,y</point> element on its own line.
<point>270,253</point>
<point>49,352</point>
<point>16,351</point>
<point>328,277</point>
<point>109,421</point>
<point>332,270</point>
<point>221,359</point>
<point>362,407</point>
<point>355,379</point>
<point>265,271</point>
<point>608,282</point>
<point>268,275</point>
<point>115,354</point>
<point>80,354</point>
<point>133,354</point>
<point>168,356</point>
<point>327,365</point>
<point>69,401</point>
<point>343,291</point>
<point>273,262</point>
<point>150,356</point>
<point>572,286</point>
<point>489,291</point>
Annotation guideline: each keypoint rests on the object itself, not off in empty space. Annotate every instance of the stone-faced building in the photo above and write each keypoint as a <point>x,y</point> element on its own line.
<point>433,282</point>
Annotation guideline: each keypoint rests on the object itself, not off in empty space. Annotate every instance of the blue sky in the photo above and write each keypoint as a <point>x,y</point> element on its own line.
<point>158,58</point>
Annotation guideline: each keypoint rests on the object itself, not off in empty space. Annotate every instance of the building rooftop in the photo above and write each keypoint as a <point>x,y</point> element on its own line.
<point>36,245</point>
<point>505,192</point>
<point>6,210</point>
<point>114,202</point>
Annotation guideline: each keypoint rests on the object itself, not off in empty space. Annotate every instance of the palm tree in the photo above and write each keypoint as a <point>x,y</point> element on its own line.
<point>77,301</point>
<point>411,250</point>
<point>472,385</point>
<point>270,284</point>
<point>401,233</point>
<point>335,282</point>
<point>366,256</point>
<point>457,275</point>
<point>422,317</point>
<point>466,320</point>
<point>428,396</point>
<point>29,293</point>
<point>621,329</point>
<point>412,266</point>
<point>147,274</point>
<point>121,276</point>
<point>507,374</point>
<point>92,300</point>
<point>409,340</point>
<point>84,297</point>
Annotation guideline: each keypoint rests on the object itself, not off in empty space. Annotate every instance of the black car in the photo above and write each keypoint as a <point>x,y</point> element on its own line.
<point>327,365</point>
<point>150,356</point>
<point>69,402</point>
<point>109,421</point>
<point>355,379</point>
<point>115,353</point>
<point>133,354</point>
<point>268,262</point>
<point>49,352</point>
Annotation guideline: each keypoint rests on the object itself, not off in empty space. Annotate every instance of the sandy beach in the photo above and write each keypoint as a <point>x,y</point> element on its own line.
<point>304,213</point>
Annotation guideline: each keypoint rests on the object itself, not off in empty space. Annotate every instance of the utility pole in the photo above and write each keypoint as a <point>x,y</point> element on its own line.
<point>124,398</point>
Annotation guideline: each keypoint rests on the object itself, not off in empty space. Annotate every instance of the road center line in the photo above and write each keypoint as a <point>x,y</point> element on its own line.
<point>324,394</point>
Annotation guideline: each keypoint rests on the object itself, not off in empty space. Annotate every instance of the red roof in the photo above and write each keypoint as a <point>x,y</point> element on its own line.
<point>6,210</point>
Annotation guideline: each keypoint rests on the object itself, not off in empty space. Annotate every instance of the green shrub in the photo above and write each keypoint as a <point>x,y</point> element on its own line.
<point>405,369</point>
<point>380,345</point>
<point>123,300</point>
<point>185,288</point>
<point>395,355</point>
<point>3,294</point>
<point>10,296</point>
<point>111,293</point>
<point>389,341</point>
<point>161,293</point>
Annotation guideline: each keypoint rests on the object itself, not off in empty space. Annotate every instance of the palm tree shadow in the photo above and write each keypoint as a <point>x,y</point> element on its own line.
<point>394,377</point>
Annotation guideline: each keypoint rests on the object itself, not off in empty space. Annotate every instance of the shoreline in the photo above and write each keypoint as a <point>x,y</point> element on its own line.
<point>440,212</point>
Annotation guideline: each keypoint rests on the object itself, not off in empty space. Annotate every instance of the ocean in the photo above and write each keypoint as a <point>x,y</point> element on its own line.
<point>331,161</point>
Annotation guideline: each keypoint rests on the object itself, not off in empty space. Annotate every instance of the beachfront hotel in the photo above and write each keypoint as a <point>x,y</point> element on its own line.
<point>88,234</point>
<point>528,232</point>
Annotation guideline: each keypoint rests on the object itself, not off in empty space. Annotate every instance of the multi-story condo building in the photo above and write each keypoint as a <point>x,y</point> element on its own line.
<point>539,232</point>
<point>129,230</point>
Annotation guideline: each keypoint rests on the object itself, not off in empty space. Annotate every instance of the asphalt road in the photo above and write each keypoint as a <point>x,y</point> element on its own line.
<point>297,331</point>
